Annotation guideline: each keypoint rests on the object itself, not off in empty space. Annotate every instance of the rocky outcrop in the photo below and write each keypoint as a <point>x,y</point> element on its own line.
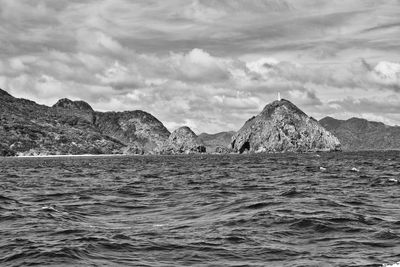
<point>72,127</point>
<point>361,134</point>
<point>217,143</point>
<point>283,127</point>
<point>183,140</point>
<point>69,104</point>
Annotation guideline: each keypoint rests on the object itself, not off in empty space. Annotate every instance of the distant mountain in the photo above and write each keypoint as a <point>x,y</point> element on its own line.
<point>283,127</point>
<point>361,134</point>
<point>219,142</point>
<point>73,127</point>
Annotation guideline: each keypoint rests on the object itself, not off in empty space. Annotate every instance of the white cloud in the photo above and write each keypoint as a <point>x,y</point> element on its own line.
<point>198,65</point>
<point>262,66</point>
<point>388,72</point>
<point>120,77</point>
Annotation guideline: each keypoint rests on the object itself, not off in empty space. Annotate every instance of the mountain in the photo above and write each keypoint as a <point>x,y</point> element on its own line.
<point>219,142</point>
<point>183,140</point>
<point>141,131</point>
<point>361,134</point>
<point>283,127</point>
<point>73,127</point>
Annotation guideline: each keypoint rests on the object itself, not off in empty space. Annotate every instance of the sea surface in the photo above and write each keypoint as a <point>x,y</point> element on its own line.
<point>326,209</point>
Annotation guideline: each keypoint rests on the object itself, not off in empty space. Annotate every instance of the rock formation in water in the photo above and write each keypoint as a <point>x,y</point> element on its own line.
<point>283,127</point>
<point>72,127</point>
<point>183,140</point>
<point>360,134</point>
<point>217,143</point>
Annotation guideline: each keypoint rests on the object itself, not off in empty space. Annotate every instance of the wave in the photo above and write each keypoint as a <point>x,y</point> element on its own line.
<point>250,210</point>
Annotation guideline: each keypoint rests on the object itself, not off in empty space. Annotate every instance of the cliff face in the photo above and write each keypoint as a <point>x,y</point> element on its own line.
<point>283,127</point>
<point>72,127</point>
<point>360,134</point>
<point>183,140</point>
<point>217,143</point>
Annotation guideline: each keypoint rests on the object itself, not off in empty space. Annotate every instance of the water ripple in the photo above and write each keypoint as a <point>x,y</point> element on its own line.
<point>226,210</point>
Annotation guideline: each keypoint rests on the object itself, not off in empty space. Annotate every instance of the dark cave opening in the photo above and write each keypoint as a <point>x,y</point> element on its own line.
<point>245,146</point>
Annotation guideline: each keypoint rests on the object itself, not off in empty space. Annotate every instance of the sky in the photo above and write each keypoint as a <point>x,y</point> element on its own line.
<point>206,64</point>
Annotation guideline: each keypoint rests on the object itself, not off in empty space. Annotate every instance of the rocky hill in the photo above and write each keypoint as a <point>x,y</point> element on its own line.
<point>72,127</point>
<point>217,143</point>
<point>283,127</point>
<point>141,131</point>
<point>361,134</point>
<point>183,140</point>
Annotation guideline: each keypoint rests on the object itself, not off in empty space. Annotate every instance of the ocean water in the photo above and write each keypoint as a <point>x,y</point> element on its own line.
<point>327,209</point>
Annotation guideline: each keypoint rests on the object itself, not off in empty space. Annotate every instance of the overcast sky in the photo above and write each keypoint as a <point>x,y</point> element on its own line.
<point>207,64</point>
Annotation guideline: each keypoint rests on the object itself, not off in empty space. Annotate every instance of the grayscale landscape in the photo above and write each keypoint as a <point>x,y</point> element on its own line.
<point>200,133</point>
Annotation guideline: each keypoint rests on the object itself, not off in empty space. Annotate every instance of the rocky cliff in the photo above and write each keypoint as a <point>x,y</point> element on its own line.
<point>283,127</point>
<point>217,143</point>
<point>361,134</point>
<point>183,140</point>
<point>72,127</point>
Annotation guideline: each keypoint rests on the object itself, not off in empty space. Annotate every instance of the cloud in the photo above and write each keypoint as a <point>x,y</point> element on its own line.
<point>120,77</point>
<point>388,73</point>
<point>211,64</point>
<point>97,41</point>
<point>356,74</point>
<point>364,105</point>
<point>198,65</point>
<point>305,97</point>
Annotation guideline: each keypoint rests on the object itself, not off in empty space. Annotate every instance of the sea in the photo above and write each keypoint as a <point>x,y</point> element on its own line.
<point>316,209</point>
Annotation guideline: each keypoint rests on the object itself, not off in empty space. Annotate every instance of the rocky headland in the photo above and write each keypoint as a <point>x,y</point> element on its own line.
<point>283,127</point>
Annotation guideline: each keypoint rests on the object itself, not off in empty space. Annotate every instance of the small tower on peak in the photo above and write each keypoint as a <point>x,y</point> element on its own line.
<point>279,96</point>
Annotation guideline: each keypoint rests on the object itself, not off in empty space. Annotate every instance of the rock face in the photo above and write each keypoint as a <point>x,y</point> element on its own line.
<point>72,127</point>
<point>283,127</point>
<point>360,134</point>
<point>217,143</point>
<point>183,140</point>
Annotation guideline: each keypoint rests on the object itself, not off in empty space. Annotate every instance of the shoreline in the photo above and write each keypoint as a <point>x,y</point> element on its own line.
<point>202,154</point>
<point>68,156</point>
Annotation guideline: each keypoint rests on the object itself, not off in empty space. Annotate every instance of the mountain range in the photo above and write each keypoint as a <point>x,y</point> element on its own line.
<point>361,134</point>
<point>73,127</point>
